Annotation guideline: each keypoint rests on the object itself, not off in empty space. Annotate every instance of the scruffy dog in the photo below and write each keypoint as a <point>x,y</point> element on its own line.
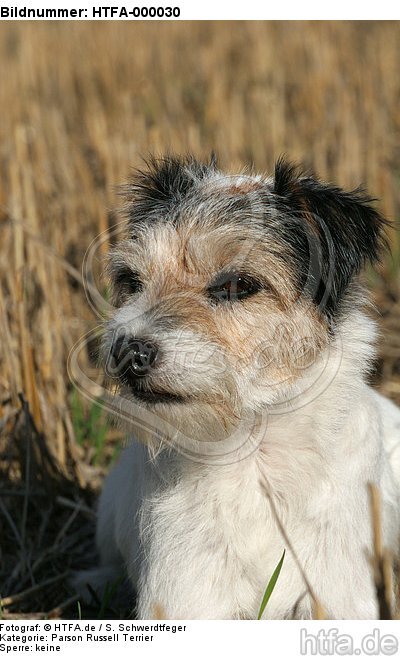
<point>240,347</point>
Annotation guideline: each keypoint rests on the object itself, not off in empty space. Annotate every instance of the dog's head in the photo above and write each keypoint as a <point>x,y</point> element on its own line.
<point>228,287</point>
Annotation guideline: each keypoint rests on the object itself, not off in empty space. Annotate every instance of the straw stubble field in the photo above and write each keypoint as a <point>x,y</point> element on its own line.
<point>80,104</point>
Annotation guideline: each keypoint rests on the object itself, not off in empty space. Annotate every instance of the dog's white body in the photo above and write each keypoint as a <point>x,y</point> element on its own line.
<point>201,540</point>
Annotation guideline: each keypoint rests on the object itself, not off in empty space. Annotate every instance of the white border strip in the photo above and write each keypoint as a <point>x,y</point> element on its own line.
<point>132,10</point>
<point>181,638</point>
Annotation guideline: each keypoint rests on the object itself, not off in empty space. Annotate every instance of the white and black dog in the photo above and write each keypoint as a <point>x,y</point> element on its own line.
<point>240,348</point>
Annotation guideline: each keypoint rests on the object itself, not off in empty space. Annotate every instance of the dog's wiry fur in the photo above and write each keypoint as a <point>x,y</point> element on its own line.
<point>264,397</point>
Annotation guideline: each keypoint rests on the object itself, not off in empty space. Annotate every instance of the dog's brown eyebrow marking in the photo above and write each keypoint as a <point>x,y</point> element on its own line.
<point>244,188</point>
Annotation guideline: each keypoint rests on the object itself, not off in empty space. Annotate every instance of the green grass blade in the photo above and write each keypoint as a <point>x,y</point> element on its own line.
<point>270,587</point>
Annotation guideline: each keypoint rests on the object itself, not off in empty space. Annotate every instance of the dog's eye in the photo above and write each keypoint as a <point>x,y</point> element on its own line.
<point>233,287</point>
<point>128,281</point>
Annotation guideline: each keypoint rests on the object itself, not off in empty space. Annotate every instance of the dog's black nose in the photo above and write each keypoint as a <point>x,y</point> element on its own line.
<point>133,358</point>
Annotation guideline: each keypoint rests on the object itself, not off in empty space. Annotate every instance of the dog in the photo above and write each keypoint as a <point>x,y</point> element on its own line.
<point>240,346</point>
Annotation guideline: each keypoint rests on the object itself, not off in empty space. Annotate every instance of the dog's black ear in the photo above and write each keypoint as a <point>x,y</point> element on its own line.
<point>333,231</point>
<point>162,184</point>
